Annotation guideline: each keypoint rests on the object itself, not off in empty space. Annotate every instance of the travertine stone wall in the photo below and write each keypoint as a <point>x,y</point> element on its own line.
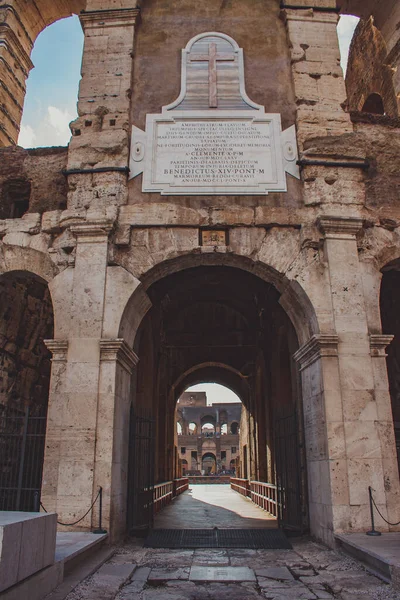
<point>322,244</point>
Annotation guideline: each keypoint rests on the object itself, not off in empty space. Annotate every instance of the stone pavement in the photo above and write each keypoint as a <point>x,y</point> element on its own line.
<point>208,506</point>
<point>309,571</point>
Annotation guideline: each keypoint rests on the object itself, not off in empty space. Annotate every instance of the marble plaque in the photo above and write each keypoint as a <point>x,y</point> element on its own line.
<point>227,574</point>
<point>213,237</point>
<point>213,139</point>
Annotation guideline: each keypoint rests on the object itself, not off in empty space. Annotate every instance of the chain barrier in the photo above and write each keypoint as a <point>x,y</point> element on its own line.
<point>100,529</point>
<point>373,504</point>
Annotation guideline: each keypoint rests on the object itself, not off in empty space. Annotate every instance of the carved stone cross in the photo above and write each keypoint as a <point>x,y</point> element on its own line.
<point>212,57</point>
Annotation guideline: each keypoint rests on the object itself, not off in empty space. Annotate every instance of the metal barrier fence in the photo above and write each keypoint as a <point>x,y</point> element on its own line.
<point>265,495</point>
<point>22,440</point>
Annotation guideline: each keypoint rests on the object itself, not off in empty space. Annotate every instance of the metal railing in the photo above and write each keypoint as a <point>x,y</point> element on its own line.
<point>265,495</point>
<point>180,485</point>
<point>162,495</point>
<point>241,485</point>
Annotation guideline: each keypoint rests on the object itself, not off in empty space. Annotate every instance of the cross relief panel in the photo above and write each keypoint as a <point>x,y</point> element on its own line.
<point>213,139</point>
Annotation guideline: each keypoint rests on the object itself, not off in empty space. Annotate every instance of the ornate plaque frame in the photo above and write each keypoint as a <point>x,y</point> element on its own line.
<point>194,147</point>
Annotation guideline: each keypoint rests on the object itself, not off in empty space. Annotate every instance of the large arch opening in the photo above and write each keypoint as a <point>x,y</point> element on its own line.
<point>26,320</point>
<point>25,23</point>
<point>207,408</point>
<point>51,97</point>
<point>223,324</point>
<point>390,317</point>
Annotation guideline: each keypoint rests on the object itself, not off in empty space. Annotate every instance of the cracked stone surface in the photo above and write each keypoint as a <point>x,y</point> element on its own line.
<point>308,572</point>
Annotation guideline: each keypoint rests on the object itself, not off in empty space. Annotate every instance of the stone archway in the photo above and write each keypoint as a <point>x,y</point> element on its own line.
<point>211,322</point>
<point>26,322</point>
<point>22,22</point>
<point>389,309</point>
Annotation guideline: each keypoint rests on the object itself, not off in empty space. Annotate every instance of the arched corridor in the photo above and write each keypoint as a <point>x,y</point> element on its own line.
<point>225,325</point>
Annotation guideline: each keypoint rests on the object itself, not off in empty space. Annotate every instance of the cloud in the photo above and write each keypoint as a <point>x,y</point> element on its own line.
<point>345,30</point>
<point>50,130</point>
<point>27,137</point>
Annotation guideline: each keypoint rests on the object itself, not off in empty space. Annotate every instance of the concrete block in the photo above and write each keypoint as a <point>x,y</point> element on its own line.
<point>38,586</point>
<point>27,545</point>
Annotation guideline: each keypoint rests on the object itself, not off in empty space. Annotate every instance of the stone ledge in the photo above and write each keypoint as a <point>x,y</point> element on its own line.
<point>320,345</point>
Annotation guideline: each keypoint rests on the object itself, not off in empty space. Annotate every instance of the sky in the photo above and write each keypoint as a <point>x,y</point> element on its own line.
<point>52,86</point>
<point>215,393</point>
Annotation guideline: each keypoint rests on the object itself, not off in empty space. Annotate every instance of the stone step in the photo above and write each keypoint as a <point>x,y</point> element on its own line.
<point>380,555</point>
<point>74,547</point>
<point>86,566</point>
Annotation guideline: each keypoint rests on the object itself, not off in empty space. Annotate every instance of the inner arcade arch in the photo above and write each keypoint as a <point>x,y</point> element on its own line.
<point>26,322</point>
<point>223,324</point>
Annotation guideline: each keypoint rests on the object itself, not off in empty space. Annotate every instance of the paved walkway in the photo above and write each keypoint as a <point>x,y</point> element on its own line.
<point>308,572</point>
<point>209,506</point>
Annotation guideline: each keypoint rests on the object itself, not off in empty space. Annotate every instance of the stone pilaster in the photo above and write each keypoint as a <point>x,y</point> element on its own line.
<point>360,443</point>
<point>76,381</point>
<point>323,432</point>
<point>55,418</point>
<point>117,361</point>
<point>378,345</point>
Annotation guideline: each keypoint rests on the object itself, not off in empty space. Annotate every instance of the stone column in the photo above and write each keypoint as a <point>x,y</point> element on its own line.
<point>16,42</point>
<point>317,75</point>
<point>99,150</point>
<point>359,435</point>
<point>117,361</point>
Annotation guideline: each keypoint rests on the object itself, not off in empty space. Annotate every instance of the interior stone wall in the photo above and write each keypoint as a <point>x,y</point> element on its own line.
<point>369,70</point>
<point>42,169</point>
<point>164,31</point>
<point>26,319</point>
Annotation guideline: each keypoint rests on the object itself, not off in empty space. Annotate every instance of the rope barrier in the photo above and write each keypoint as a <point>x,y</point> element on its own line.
<point>379,512</point>
<point>99,494</point>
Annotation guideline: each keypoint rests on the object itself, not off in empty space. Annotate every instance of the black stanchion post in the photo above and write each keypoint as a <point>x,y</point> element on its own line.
<point>100,528</point>
<point>36,501</point>
<point>371,507</point>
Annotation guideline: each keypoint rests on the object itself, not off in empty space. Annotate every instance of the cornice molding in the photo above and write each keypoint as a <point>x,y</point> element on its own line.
<point>117,350</point>
<point>58,348</point>
<point>10,41</point>
<point>92,231</point>
<point>121,17</point>
<point>320,345</point>
<point>378,344</point>
<point>340,227</point>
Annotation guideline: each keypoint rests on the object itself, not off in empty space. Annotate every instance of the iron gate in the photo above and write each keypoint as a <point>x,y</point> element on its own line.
<point>289,474</point>
<point>141,473</point>
<point>22,440</point>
